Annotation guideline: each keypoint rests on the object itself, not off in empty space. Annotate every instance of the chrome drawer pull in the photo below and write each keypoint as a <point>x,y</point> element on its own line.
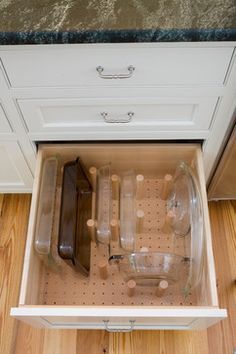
<point>100,70</point>
<point>128,328</point>
<point>108,119</point>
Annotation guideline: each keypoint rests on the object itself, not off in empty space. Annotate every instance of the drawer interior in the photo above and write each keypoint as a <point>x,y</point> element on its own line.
<point>59,284</point>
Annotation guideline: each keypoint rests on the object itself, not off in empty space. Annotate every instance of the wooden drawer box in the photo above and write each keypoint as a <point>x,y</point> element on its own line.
<point>154,65</point>
<point>190,116</point>
<point>51,300</point>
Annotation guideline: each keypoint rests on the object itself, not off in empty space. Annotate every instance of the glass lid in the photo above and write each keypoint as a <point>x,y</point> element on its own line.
<point>148,268</point>
<point>186,204</point>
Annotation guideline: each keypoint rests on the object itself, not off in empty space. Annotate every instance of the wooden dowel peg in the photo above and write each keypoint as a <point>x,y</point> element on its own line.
<point>93,177</point>
<point>166,187</point>
<point>161,289</point>
<point>139,187</point>
<point>91,229</point>
<point>167,227</point>
<point>103,271</point>
<point>115,186</point>
<point>131,285</point>
<point>140,221</point>
<point>114,229</point>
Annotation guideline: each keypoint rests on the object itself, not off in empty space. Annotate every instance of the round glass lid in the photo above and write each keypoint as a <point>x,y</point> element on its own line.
<point>186,204</point>
<point>180,202</point>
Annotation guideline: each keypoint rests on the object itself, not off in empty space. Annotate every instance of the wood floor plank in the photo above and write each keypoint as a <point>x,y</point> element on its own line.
<point>92,341</point>
<point>29,340</point>
<point>222,336</point>
<point>1,203</point>
<point>13,225</point>
<point>59,341</point>
<point>185,342</point>
<point>159,342</point>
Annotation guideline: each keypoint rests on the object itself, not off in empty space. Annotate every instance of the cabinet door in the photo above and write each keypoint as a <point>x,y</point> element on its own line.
<point>15,175</point>
<point>223,184</point>
<point>4,124</point>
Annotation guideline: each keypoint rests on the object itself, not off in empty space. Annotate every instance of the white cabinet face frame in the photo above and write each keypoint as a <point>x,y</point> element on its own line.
<point>15,175</point>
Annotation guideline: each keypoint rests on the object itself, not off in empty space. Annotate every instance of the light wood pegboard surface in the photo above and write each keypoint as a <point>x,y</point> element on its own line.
<point>61,285</point>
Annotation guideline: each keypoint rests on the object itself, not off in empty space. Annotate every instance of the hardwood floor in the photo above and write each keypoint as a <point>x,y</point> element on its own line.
<point>18,338</point>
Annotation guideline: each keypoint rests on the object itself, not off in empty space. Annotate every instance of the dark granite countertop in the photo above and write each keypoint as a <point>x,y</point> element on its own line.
<point>113,21</point>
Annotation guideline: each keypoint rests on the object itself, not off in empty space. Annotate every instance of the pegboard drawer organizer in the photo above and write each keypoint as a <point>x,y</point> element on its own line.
<point>59,297</point>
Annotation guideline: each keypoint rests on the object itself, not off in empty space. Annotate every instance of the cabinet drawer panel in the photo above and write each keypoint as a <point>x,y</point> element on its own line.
<point>14,173</point>
<point>119,319</point>
<point>76,66</point>
<point>50,298</point>
<point>162,114</point>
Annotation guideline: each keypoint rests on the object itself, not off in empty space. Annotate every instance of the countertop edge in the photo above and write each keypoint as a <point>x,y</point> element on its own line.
<point>117,36</point>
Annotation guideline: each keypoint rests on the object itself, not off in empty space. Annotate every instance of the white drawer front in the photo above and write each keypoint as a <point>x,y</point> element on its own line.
<point>4,124</point>
<point>76,66</point>
<point>118,319</point>
<point>76,115</point>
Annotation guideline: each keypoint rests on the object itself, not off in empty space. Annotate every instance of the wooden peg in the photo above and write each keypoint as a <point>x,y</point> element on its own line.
<point>166,186</point>
<point>114,229</point>
<point>167,227</point>
<point>161,289</point>
<point>103,271</point>
<point>93,177</point>
<point>139,186</point>
<point>91,229</point>
<point>131,285</point>
<point>115,186</point>
<point>140,221</point>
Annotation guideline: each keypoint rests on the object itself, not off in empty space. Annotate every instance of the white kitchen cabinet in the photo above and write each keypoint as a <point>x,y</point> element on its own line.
<point>15,175</point>
<point>60,299</point>
<point>174,91</point>
<point>15,147</point>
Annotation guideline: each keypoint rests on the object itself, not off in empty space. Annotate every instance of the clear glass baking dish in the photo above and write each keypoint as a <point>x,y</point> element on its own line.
<point>148,268</point>
<point>104,204</point>
<point>44,219</point>
<point>127,211</point>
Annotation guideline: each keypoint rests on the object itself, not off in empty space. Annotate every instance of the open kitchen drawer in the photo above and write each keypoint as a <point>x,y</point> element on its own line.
<point>62,298</point>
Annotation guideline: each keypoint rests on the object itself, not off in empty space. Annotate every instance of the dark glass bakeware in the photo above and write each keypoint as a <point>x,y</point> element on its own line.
<point>76,209</point>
